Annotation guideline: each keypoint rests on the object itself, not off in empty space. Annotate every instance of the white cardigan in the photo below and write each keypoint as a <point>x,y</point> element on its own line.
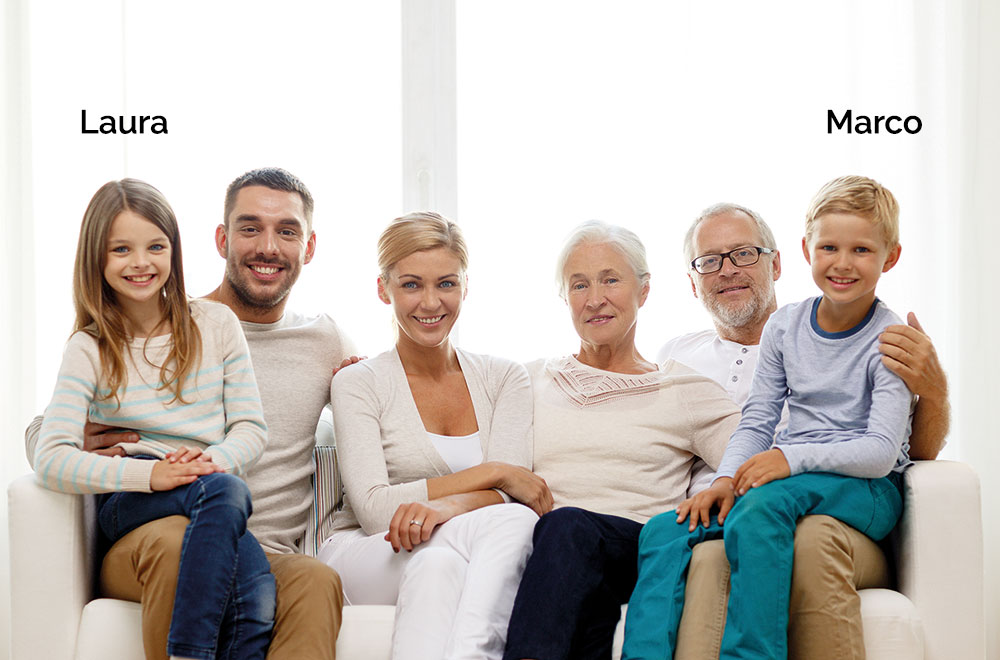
<point>384,451</point>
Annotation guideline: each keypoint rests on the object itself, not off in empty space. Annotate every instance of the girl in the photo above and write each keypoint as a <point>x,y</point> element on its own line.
<point>432,441</point>
<point>178,372</point>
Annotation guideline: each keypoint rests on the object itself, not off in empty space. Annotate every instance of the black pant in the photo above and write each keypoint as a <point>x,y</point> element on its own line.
<point>581,571</point>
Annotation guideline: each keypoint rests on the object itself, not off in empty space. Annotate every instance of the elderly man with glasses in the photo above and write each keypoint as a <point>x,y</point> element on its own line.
<point>734,263</point>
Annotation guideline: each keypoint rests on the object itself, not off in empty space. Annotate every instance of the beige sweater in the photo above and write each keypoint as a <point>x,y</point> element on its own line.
<point>623,444</point>
<point>384,451</point>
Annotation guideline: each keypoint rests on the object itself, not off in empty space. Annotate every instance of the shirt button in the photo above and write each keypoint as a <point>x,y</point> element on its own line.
<point>735,379</point>
<point>739,362</point>
<point>743,350</point>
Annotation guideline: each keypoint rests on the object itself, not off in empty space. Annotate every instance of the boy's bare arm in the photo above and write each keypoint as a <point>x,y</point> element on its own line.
<point>908,352</point>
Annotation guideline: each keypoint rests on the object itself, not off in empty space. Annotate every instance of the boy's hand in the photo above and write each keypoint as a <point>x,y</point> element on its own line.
<point>766,466</point>
<point>720,494</point>
<point>167,475</point>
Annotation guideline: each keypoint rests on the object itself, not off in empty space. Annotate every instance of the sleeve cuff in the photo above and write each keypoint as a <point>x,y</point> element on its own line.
<point>136,475</point>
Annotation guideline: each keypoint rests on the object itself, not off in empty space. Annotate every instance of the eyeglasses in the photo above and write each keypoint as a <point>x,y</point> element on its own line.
<point>743,256</point>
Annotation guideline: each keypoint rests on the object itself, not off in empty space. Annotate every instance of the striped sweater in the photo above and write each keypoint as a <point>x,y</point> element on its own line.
<point>220,413</point>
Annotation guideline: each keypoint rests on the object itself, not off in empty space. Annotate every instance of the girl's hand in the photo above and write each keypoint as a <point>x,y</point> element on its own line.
<point>525,486</point>
<point>413,523</point>
<point>761,468</point>
<point>720,494</point>
<point>188,454</point>
<point>167,475</point>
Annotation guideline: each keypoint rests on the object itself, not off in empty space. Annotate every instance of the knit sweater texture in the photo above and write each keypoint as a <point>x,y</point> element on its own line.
<point>623,444</point>
<point>385,453</point>
<point>219,410</point>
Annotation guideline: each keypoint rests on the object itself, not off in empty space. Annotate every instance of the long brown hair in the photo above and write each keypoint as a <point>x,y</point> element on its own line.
<point>97,309</point>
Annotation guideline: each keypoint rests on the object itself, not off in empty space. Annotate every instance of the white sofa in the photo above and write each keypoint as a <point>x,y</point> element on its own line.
<point>937,612</point>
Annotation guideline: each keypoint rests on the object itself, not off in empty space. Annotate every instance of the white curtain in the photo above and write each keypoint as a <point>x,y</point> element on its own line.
<point>17,305</point>
<point>976,392</point>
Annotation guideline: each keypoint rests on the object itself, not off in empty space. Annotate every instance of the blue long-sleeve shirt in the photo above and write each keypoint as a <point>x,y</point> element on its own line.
<point>847,413</point>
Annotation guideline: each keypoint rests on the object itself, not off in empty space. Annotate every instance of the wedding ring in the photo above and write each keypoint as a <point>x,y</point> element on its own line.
<point>418,524</point>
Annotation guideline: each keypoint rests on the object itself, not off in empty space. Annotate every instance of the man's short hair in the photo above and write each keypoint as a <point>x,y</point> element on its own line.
<point>274,178</point>
<point>861,196</point>
<point>765,233</point>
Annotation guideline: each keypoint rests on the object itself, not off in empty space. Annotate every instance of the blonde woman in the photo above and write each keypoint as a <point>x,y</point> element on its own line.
<point>435,447</point>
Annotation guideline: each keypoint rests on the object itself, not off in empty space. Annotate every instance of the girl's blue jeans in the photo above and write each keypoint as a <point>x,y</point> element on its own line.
<point>758,535</point>
<point>225,598</point>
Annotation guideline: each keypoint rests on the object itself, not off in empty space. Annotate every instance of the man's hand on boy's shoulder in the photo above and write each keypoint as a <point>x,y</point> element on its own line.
<point>907,351</point>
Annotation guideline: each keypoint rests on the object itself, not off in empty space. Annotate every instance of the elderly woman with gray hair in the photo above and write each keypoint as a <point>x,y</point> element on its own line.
<point>615,438</point>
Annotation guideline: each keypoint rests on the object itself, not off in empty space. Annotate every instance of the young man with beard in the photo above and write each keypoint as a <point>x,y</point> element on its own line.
<point>832,560</point>
<point>266,237</point>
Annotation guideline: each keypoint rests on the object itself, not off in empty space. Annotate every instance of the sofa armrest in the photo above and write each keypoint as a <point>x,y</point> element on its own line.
<point>939,557</point>
<point>52,561</point>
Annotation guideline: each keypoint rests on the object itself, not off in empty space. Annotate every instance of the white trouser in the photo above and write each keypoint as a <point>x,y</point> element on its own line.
<point>454,593</point>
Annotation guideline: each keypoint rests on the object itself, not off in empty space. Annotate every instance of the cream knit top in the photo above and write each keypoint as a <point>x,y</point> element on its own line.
<point>623,444</point>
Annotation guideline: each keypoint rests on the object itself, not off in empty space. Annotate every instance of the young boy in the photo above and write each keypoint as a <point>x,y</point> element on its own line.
<point>841,455</point>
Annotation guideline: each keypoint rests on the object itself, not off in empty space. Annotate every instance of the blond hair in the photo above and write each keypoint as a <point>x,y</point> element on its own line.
<point>416,232</point>
<point>98,312</point>
<point>861,196</point>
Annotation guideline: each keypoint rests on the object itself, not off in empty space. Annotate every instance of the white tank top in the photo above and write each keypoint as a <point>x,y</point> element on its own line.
<point>458,451</point>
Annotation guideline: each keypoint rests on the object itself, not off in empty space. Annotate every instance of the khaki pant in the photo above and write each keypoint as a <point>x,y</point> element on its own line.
<point>832,561</point>
<point>142,567</point>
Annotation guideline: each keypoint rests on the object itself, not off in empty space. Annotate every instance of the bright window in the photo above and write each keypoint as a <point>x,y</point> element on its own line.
<point>643,113</point>
<point>313,88</point>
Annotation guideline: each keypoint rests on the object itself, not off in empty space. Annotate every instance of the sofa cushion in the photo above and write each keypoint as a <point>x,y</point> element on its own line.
<point>110,628</point>
<point>891,624</point>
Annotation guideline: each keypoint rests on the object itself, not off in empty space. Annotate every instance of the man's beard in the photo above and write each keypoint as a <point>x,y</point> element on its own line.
<point>740,315</point>
<point>241,285</point>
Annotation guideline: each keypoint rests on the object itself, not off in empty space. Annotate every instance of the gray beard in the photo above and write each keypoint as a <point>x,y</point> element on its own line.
<point>749,313</point>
